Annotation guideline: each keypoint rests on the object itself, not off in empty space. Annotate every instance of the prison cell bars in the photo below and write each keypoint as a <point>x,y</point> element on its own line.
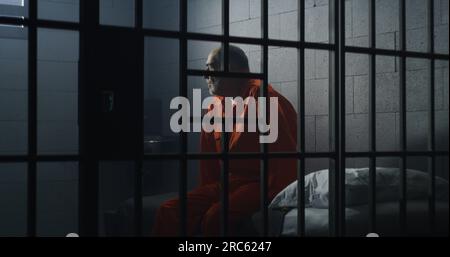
<point>431,125</point>
<point>225,136</point>
<point>403,136</point>
<point>32,121</point>
<point>33,157</point>
<point>372,118</point>
<point>301,124</point>
<point>263,180</point>
<point>140,154</point>
<point>183,161</point>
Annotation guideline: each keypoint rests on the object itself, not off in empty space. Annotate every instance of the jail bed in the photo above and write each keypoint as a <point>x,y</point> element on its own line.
<point>283,211</point>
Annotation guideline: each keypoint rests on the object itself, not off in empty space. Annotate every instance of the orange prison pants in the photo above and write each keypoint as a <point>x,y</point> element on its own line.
<point>203,209</point>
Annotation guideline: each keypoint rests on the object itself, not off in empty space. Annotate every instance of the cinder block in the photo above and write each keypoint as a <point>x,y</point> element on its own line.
<point>283,64</point>
<point>317,24</point>
<point>413,64</point>
<point>387,92</point>
<point>289,25</point>
<point>239,10</point>
<point>57,137</point>
<point>290,92</point>
<point>14,105</point>
<point>14,173</point>
<point>348,20</point>
<point>274,26</point>
<point>58,76</point>
<point>205,14</point>
<point>416,14</point>
<point>66,10</point>
<point>417,87</point>
<point>385,132</point>
<point>387,16</point>
<point>441,135</point>
<point>446,86</point>
<point>360,18</point>
<point>255,8</point>
<point>417,131</point>
<point>385,64</point>
<point>441,39</point>
<point>362,41</point>
<point>310,133</point>
<point>416,40</point>
<point>322,64</point>
<point>356,64</point>
<point>444,11</point>
<point>14,137</point>
<point>67,106</point>
<point>58,45</point>
<point>315,3</point>
<point>117,12</point>
<point>255,61</point>
<point>153,10</point>
<point>13,74</point>
<point>322,134</point>
<point>386,40</point>
<point>246,28</point>
<point>282,6</point>
<point>349,95</point>
<point>310,64</point>
<point>57,171</point>
<point>356,132</point>
<point>361,94</point>
<point>13,49</point>
<point>316,94</point>
<point>439,92</point>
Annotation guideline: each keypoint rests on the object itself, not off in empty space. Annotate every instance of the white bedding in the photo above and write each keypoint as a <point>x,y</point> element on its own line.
<point>357,190</point>
<point>316,220</point>
<point>356,194</point>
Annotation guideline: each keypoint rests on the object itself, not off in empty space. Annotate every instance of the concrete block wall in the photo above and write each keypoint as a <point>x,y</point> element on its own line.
<point>245,20</point>
<point>57,81</point>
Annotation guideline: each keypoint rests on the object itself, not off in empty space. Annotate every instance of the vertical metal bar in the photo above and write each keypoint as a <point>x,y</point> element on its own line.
<point>372,118</point>
<point>140,153</point>
<point>431,115</point>
<point>403,131</point>
<point>337,118</point>
<point>225,136</point>
<point>183,136</point>
<point>333,120</point>
<point>32,120</point>
<point>301,124</point>
<point>265,147</point>
<point>341,85</point>
<point>88,168</point>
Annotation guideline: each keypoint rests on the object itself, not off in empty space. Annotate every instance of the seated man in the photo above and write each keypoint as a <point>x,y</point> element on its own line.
<point>203,203</point>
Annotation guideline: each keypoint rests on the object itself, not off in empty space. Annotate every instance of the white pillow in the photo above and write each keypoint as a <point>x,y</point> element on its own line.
<point>356,188</point>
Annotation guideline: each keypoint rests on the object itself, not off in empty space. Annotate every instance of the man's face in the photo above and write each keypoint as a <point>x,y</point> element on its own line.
<point>215,84</point>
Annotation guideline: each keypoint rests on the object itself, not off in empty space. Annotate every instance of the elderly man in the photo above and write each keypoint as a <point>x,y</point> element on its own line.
<point>203,202</point>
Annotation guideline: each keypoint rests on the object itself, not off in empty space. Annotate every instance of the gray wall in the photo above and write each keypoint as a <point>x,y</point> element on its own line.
<point>57,85</point>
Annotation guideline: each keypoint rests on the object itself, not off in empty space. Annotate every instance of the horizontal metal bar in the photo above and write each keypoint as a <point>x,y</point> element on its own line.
<point>224,74</point>
<point>173,156</point>
<point>21,21</point>
<point>387,52</point>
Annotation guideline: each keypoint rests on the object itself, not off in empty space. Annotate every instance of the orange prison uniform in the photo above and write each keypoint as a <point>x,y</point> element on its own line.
<point>203,202</point>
